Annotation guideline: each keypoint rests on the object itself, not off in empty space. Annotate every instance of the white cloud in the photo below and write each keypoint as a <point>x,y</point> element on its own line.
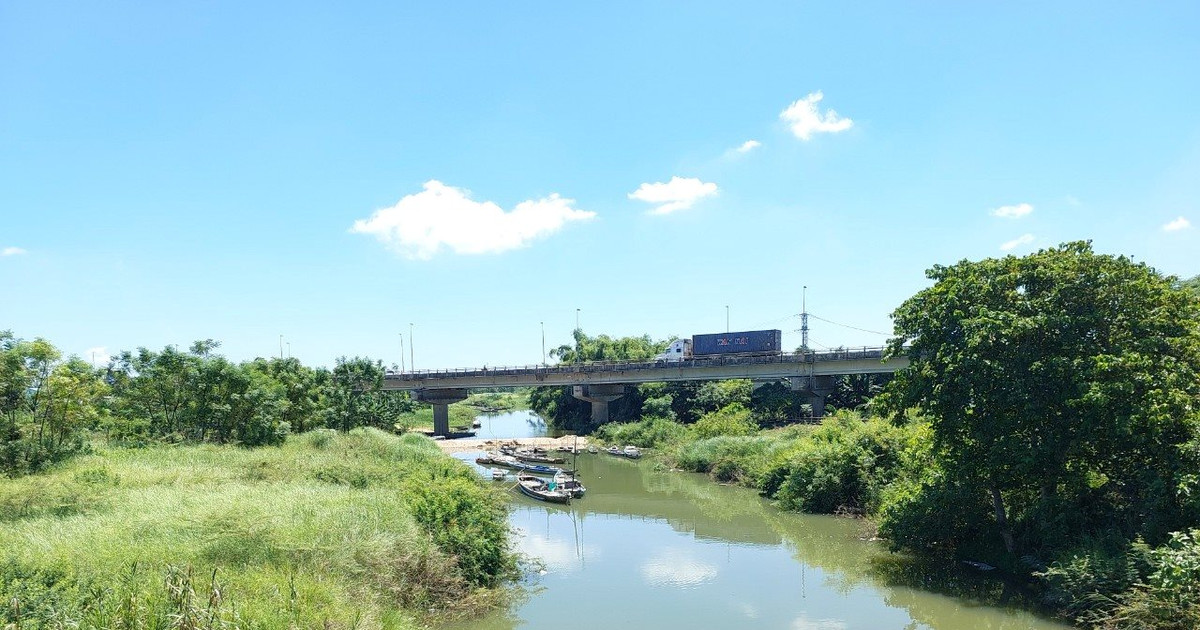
<point>1023,239</point>
<point>748,146</point>
<point>1072,200</point>
<point>677,569</point>
<point>805,120</point>
<point>420,224</point>
<point>804,623</point>
<point>1176,225</point>
<point>1012,212</point>
<point>678,194</point>
<point>12,251</point>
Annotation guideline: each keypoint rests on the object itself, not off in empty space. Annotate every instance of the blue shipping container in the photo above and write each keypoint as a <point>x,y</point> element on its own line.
<point>737,342</point>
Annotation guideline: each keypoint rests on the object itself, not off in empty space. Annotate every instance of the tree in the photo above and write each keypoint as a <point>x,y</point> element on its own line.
<point>1063,384</point>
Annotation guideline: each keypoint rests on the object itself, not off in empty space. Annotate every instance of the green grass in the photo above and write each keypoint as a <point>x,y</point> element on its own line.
<point>362,530</point>
<point>461,415</point>
<point>494,402</point>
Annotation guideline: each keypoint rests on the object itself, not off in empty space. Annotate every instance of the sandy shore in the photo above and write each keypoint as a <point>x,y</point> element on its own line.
<point>479,444</point>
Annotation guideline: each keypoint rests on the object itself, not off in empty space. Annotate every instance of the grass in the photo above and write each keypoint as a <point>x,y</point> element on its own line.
<point>495,402</point>
<point>421,419</point>
<point>363,530</point>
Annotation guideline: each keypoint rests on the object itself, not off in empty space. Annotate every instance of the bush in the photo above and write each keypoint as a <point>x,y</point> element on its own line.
<point>732,419</point>
<point>843,466</point>
<point>655,432</point>
<point>739,459</point>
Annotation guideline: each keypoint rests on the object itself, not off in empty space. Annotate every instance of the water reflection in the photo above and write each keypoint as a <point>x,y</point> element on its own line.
<point>650,548</point>
<point>511,424</point>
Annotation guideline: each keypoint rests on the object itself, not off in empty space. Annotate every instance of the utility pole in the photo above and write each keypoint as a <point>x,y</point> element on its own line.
<point>804,319</point>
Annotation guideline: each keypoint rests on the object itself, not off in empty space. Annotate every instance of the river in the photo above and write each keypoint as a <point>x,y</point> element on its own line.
<point>650,548</point>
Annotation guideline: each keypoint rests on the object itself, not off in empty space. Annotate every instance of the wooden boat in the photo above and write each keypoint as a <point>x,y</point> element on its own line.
<point>516,464</point>
<point>498,475</point>
<point>540,489</point>
<point>537,458</point>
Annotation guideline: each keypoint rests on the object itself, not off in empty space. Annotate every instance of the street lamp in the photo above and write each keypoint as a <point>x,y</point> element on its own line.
<point>726,318</point>
<point>412,362</point>
<point>402,352</point>
<point>543,344</point>
<point>281,347</point>
<point>578,359</point>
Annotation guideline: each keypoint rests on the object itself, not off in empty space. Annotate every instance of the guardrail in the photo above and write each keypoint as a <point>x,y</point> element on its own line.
<point>866,352</point>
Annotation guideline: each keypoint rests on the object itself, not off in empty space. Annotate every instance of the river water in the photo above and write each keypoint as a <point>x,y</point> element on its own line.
<point>649,548</point>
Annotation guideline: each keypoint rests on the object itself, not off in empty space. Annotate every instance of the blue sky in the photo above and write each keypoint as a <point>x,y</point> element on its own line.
<point>180,171</point>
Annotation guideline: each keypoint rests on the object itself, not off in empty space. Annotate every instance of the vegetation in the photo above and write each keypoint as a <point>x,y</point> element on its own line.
<point>498,401</point>
<point>1049,424</point>
<point>329,530</point>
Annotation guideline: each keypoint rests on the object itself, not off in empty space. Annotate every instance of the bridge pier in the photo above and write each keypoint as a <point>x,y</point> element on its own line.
<point>599,396</point>
<point>441,400</point>
<point>817,388</point>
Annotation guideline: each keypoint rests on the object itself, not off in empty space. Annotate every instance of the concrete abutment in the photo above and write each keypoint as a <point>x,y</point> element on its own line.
<point>599,396</point>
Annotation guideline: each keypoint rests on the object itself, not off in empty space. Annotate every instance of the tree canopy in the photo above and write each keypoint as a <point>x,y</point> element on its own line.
<point>1064,384</point>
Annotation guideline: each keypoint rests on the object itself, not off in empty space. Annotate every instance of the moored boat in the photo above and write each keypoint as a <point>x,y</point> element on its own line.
<point>570,485</point>
<point>498,475</point>
<point>540,489</point>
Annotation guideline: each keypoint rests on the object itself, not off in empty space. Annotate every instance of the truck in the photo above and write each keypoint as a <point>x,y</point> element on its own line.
<point>731,343</point>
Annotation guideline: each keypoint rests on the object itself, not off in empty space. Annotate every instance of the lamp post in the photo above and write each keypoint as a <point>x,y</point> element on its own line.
<point>726,318</point>
<point>543,344</point>
<point>402,352</point>
<point>289,344</point>
<point>281,347</point>
<point>578,359</point>
<point>412,362</point>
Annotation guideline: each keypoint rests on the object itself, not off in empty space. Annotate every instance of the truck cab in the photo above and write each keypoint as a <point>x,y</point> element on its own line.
<point>679,350</point>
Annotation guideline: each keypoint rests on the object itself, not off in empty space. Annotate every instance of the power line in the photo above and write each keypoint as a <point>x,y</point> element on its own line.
<point>829,321</point>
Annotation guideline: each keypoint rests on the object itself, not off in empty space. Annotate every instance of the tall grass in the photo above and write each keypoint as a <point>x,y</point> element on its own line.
<point>360,530</point>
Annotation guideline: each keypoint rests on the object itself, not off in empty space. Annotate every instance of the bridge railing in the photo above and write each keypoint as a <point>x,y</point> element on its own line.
<point>865,352</point>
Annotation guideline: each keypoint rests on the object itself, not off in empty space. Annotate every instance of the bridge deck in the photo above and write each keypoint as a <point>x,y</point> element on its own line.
<point>713,367</point>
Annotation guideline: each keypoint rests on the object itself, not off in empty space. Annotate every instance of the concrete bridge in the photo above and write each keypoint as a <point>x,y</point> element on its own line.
<point>603,382</point>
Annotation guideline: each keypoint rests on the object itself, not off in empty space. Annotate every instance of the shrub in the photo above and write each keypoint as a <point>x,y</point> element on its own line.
<point>653,432</point>
<point>732,419</point>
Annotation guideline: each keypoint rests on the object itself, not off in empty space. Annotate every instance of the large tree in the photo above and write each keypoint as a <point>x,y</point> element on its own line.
<point>1062,385</point>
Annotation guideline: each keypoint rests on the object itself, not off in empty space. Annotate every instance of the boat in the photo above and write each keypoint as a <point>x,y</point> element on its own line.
<point>632,452</point>
<point>537,458</point>
<point>495,459</point>
<point>542,490</point>
<point>498,475</point>
<point>570,484</point>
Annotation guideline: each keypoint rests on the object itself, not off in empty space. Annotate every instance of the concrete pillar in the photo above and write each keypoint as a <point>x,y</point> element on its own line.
<point>599,396</point>
<point>817,388</point>
<point>441,400</point>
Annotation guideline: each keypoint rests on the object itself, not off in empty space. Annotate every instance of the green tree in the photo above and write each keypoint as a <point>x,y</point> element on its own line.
<point>1062,384</point>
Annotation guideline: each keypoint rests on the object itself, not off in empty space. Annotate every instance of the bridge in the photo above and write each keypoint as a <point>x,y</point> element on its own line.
<point>602,382</point>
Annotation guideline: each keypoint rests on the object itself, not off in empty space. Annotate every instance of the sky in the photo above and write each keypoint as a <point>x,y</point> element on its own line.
<point>339,179</point>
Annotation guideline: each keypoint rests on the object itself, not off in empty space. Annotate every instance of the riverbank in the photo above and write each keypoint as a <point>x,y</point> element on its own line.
<point>363,530</point>
<point>481,444</point>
